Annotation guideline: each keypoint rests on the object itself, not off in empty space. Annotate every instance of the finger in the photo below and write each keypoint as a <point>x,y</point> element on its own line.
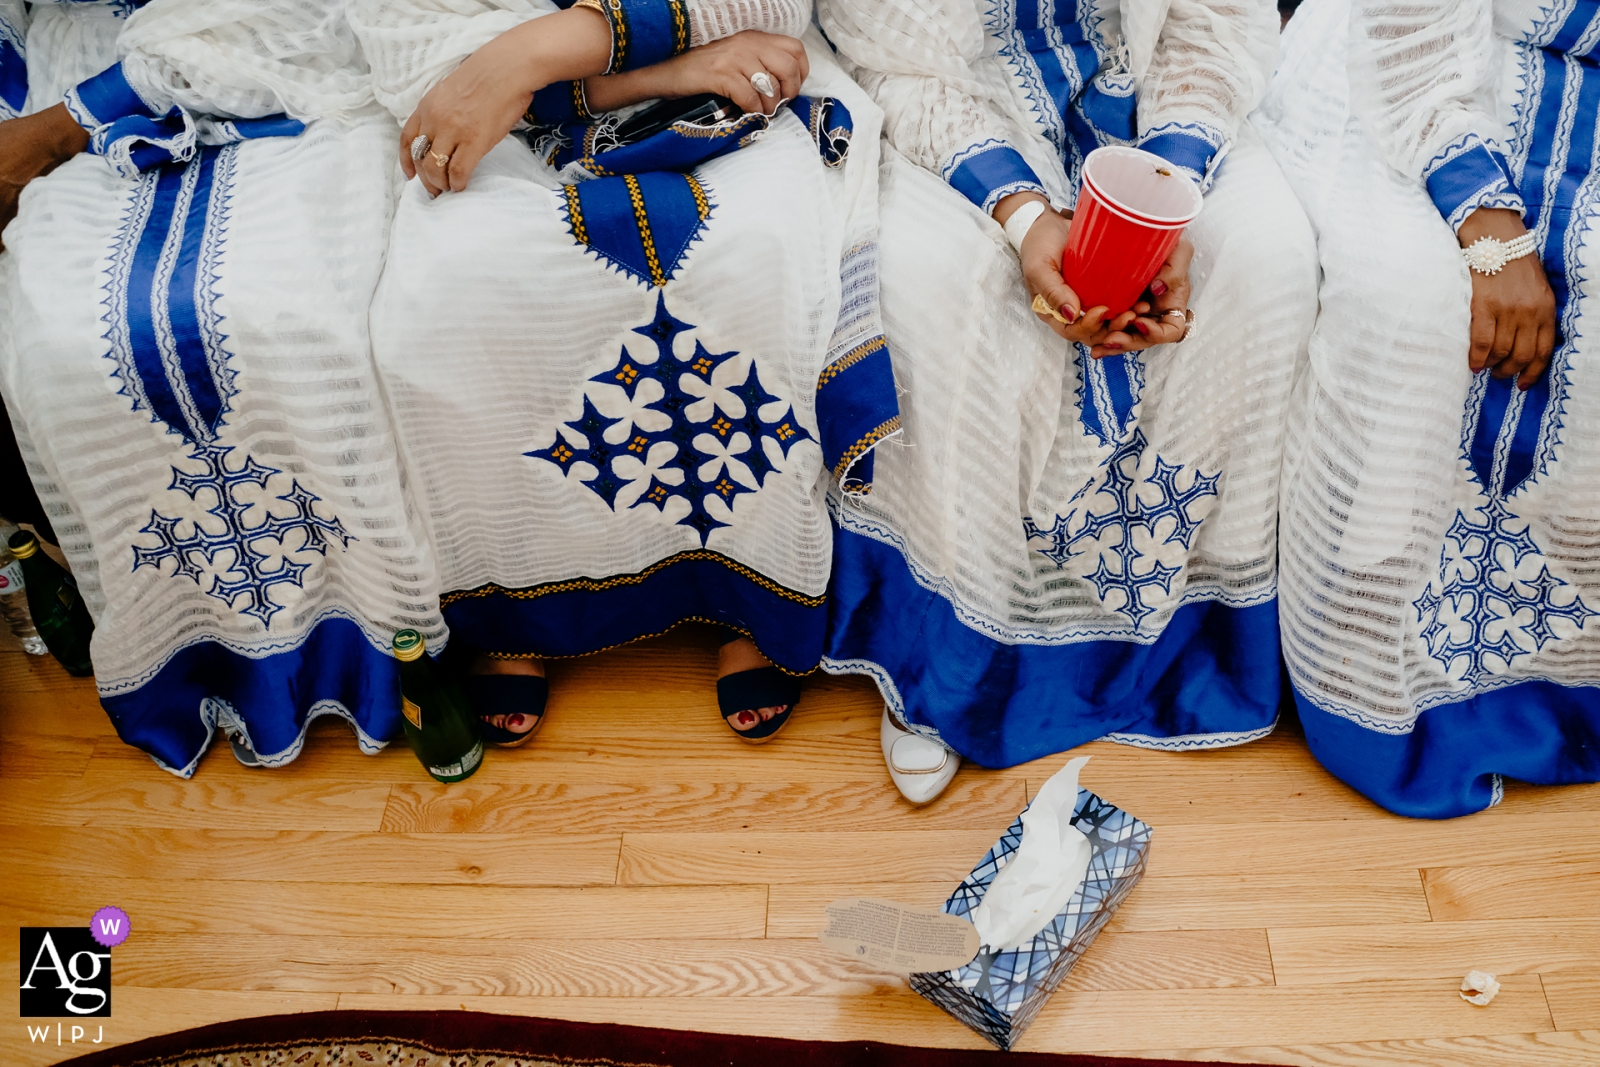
<point>1044,278</point>
<point>1481,337</point>
<point>1123,322</point>
<point>785,69</point>
<point>438,173</point>
<point>1501,348</point>
<point>409,133</point>
<point>741,92</point>
<point>462,164</point>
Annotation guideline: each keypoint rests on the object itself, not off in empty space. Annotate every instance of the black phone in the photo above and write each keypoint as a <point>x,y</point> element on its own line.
<point>703,109</point>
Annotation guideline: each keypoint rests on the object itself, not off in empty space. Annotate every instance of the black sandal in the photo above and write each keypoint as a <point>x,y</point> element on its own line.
<point>750,691</point>
<point>508,695</point>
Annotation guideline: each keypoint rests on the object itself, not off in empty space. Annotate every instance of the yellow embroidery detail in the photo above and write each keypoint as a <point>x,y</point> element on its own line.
<point>784,432</point>
<point>618,17</point>
<point>560,453</point>
<point>638,445</point>
<point>860,448</point>
<point>698,192</point>
<point>722,426</point>
<point>680,26</point>
<point>627,374</point>
<point>575,213</point>
<point>636,197</point>
<point>849,359</point>
<point>580,104</point>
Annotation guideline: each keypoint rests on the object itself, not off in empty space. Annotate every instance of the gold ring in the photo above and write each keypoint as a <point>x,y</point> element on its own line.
<point>441,159</point>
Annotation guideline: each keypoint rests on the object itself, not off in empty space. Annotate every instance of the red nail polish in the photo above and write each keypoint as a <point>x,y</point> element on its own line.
<point>1158,287</point>
<point>1068,312</point>
<point>1141,327</point>
<point>1112,346</point>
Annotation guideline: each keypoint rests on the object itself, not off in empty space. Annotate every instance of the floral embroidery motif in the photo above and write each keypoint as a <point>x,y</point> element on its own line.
<point>238,547</point>
<point>1494,597</point>
<point>1151,527</point>
<point>687,433</point>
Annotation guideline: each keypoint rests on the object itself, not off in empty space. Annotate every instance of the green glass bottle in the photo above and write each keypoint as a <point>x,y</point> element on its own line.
<point>443,732</point>
<point>58,610</point>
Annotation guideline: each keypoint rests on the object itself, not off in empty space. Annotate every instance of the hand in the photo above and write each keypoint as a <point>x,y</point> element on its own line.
<point>1131,331</point>
<point>32,147</point>
<point>723,66</point>
<point>1514,311</point>
<point>473,108</point>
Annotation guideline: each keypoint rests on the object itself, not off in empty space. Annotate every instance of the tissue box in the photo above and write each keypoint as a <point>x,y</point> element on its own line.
<point>999,993</point>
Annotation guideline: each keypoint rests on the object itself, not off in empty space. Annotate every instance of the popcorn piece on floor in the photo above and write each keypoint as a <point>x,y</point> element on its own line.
<point>1479,988</point>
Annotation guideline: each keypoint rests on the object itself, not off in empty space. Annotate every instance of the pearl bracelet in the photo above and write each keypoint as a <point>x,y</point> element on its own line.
<point>1022,220</point>
<point>1487,255</point>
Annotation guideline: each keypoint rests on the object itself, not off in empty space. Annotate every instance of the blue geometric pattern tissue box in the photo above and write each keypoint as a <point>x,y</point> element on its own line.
<point>999,993</point>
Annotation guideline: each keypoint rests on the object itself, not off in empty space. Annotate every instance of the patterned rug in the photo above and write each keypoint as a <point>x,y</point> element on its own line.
<point>474,1039</point>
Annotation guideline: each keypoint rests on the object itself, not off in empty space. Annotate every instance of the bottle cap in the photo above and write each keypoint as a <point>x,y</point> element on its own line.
<point>23,544</point>
<point>408,645</point>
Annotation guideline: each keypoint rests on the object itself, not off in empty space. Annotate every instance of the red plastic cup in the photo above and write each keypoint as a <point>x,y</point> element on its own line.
<point>1132,208</point>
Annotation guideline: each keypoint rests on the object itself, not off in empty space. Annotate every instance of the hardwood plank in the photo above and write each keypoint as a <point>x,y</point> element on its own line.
<point>1574,998</point>
<point>1173,959</point>
<point>1245,901</point>
<point>281,909</point>
<point>44,756</point>
<point>41,698</point>
<point>1320,955</point>
<point>1500,1050</point>
<point>502,966</point>
<point>1127,1021</point>
<point>610,807</point>
<point>311,855</point>
<point>827,856</point>
<point>785,857</point>
<point>1514,891</point>
<point>269,803</point>
<point>1380,841</point>
<point>140,1013</point>
<point>1137,1020</point>
<point>1193,902</point>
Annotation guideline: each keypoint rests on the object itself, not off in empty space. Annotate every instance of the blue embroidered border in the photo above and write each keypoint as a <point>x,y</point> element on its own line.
<point>1213,670</point>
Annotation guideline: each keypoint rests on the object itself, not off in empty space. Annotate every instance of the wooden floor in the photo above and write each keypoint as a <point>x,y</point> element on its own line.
<point>599,874</point>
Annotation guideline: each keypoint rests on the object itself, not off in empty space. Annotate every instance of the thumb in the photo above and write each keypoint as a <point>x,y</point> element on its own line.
<point>1045,279</point>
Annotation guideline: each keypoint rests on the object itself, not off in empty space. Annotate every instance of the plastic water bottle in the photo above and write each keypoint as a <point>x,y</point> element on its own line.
<point>14,598</point>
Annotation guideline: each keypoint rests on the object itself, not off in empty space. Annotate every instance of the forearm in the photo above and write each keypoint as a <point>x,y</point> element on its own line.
<point>560,47</point>
<point>607,92</point>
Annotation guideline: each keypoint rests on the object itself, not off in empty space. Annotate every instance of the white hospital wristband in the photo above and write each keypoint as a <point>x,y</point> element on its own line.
<point>1022,220</point>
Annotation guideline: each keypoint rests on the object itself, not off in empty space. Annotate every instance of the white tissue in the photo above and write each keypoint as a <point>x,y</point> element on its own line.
<point>1479,988</point>
<point>1043,873</point>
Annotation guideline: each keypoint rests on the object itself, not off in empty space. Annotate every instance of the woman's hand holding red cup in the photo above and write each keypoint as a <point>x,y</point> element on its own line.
<point>1146,324</point>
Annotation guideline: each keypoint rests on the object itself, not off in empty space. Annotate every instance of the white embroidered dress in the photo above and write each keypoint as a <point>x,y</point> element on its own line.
<point>1441,532</point>
<point>612,388</point>
<point>184,353</point>
<point>1064,548</point>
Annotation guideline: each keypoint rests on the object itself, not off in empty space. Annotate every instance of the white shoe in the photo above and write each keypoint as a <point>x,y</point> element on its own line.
<point>920,768</point>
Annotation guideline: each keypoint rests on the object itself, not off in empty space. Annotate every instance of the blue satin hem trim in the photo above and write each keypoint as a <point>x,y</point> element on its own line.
<point>274,695</point>
<point>1450,762</point>
<point>694,586</point>
<point>1213,671</point>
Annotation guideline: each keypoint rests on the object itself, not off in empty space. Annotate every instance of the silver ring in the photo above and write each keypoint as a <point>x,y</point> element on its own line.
<point>419,147</point>
<point>1187,314</point>
<point>761,82</point>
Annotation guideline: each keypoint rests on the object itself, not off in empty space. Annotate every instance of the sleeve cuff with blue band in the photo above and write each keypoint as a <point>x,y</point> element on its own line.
<point>988,171</point>
<point>125,129</point>
<point>559,104</point>
<point>1468,175</point>
<point>644,32</point>
<point>1193,147</point>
